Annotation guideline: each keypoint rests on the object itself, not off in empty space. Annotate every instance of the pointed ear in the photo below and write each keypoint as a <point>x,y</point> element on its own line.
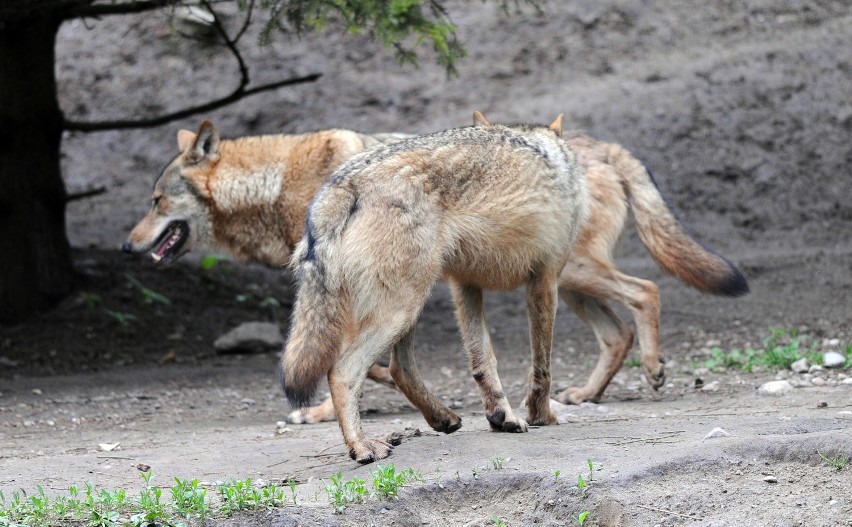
<point>206,144</point>
<point>185,139</point>
<point>480,120</point>
<point>556,125</point>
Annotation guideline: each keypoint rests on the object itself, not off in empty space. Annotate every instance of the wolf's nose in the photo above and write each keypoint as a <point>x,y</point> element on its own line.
<point>127,247</point>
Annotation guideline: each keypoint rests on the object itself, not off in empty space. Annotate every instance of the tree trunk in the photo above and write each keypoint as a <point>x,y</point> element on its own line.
<point>35,259</point>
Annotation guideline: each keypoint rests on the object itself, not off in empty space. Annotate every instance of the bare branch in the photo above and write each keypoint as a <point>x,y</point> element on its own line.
<point>125,8</point>
<point>85,194</point>
<point>230,44</point>
<point>239,93</point>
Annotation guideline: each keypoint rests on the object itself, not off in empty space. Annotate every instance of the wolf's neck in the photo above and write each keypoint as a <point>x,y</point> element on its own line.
<point>248,217</point>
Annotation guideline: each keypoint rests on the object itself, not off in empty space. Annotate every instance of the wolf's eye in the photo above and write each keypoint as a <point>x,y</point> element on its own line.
<point>155,201</point>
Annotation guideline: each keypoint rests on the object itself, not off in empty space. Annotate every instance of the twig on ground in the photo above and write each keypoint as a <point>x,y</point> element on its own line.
<point>671,512</point>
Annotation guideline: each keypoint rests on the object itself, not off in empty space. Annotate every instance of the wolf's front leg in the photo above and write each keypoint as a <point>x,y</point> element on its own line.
<point>408,380</point>
<point>471,317</point>
<point>541,307</point>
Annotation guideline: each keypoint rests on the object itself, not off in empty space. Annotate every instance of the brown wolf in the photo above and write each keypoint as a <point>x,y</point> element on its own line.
<point>248,197</point>
<point>483,207</point>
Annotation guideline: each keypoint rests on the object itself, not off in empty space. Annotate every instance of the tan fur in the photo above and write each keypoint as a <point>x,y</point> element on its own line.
<point>616,181</point>
<point>246,197</point>
<point>486,208</point>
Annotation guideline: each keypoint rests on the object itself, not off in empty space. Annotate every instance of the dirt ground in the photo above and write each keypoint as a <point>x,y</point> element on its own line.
<point>743,113</point>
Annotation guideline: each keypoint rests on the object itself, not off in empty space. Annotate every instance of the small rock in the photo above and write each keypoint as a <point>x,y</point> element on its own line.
<point>832,359</point>
<point>711,387</point>
<point>251,337</point>
<point>822,404</point>
<point>7,362</point>
<point>775,388</point>
<point>36,391</point>
<point>818,381</point>
<point>815,368</point>
<point>847,381</point>
<point>717,432</point>
<point>770,479</point>
<point>801,366</point>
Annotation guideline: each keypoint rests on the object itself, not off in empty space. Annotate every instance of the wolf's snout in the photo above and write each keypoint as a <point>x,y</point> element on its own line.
<point>127,247</point>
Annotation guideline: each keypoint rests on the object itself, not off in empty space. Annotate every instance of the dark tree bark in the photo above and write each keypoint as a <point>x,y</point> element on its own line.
<point>35,261</point>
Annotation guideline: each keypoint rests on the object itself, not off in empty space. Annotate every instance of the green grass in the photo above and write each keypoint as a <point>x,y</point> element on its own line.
<point>838,461</point>
<point>780,350</point>
<point>189,503</point>
<point>341,493</point>
<point>387,482</point>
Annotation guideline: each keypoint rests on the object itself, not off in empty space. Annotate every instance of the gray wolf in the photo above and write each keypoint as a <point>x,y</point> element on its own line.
<point>248,197</point>
<point>490,207</point>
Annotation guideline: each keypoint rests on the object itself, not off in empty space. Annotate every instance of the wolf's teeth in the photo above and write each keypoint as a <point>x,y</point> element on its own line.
<point>156,257</point>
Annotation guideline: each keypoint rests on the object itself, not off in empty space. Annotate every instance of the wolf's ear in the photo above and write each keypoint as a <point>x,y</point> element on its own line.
<point>556,125</point>
<point>480,120</point>
<point>185,139</point>
<point>205,145</point>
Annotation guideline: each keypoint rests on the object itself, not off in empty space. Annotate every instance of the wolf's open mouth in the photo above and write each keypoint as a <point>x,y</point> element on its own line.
<point>168,245</point>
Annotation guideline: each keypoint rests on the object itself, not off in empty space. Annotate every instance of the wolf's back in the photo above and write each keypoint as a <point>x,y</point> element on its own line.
<point>674,250</point>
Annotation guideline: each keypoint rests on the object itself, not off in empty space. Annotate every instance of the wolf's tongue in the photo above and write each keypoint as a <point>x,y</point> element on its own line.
<point>158,254</point>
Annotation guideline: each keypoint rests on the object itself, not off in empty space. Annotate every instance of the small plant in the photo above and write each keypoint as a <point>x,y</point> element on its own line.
<point>838,461</point>
<point>581,485</point>
<point>387,482</point>
<point>342,493</point>
<point>556,473</point>
<point>152,508</point>
<point>498,462</point>
<point>209,261</point>
<point>90,300</point>
<point>188,499</point>
<point>497,521</point>
<point>123,319</point>
<point>292,484</point>
<point>149,296</point>
<point>591,469</point>
<point>581,518</point>
<point>633,362</point>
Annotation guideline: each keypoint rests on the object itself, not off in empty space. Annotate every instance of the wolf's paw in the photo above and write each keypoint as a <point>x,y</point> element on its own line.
<point>370,450</point>
<point>446,423</point>
<point>655,373</point>
<point>576,395</point>
<point>543,419</point>
<point>500,422</point>
<point>307,416</point>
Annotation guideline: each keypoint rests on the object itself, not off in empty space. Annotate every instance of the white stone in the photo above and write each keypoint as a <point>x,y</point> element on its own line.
<point>775,388</point>
<point>832,359</point>
<point>251,337</point>
<point>716,432</point>
<point>711,387</point>
<point>800,366</point>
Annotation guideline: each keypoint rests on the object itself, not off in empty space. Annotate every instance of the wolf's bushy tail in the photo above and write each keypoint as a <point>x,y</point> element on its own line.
<point>671,246</point>
<point>320,311</point>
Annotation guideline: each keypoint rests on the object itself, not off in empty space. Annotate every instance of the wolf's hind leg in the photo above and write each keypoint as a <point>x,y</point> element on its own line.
<point>313,414</point>
<point>614,340</point>
<point>408,380</point>
<point>483,365</point>
<point>378,333</point>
